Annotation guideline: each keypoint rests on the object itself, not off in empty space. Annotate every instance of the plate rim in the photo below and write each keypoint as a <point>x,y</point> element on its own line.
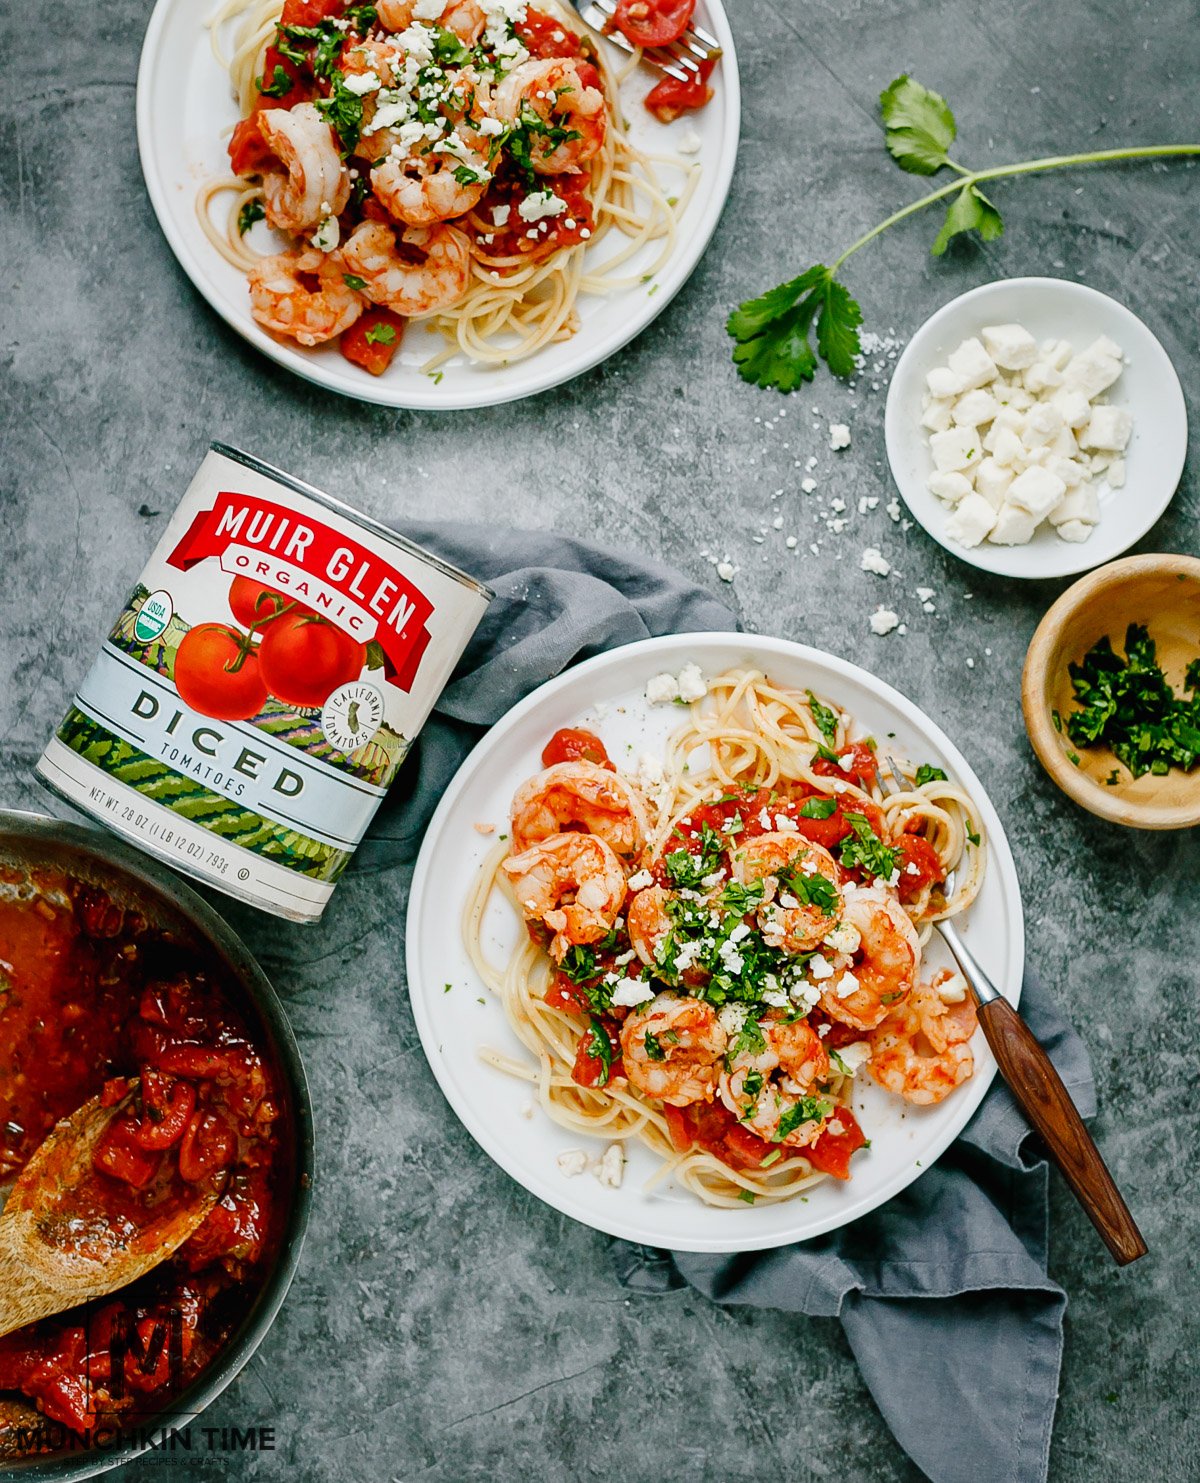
<point>1004,561</point>
<point>436,397</point>
<point>544,1189</point>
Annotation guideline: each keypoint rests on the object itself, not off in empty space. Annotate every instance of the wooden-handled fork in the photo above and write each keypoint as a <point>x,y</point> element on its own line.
<point>1041,1095</point>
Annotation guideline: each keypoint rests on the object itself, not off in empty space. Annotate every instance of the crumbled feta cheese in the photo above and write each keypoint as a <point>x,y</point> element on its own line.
<point>689,142</point>
<point>490,127</point>
<point>540,204</point>
<point>846,985</point>
<point>808,485</point>
<point>973,518</point>
<point>873,560</point>
<point>361,83</point>
<point>572,1161</point>
<point>819,967</point>
<point>839,436</point>
<point>924,594</point>
<point>327,236</point>
<point>952,990</point>
<point>844,938</point>
<point>662,689</point>
<point>853,1057</point>
<point>641,881</point>
<point>610,1167</point>
<point>732,1017</point>
<point>1010,346</point>
<point>692,684</point>
<point>630,991</point>
<point>500,215</point>
<point>726,571</point>
<point>883,620</point>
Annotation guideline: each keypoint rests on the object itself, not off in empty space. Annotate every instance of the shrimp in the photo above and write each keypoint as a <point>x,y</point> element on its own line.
<point>313,182</point>
<point>465,18</point>
<point>571,882</point>
<point>769,1085</point>
<point>647,922</point>
<point>580,795</point>
<point>797,910</point>
<point>883,963</point>
<point>425,182</point>
<point>672,1049</point>
<point>303,294</point>
<point>922,1051</point>
<point>564,117</point>
<point>414,270</point>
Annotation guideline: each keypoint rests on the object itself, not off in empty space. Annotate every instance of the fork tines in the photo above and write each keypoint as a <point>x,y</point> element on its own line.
<point>679,60</point>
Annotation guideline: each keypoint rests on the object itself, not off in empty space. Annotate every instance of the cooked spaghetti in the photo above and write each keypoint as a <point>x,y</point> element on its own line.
<point>717,946</point>
<point>454,161</point>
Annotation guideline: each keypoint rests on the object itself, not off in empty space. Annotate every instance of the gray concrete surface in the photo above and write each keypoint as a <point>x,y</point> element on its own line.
<point>444,1325</point>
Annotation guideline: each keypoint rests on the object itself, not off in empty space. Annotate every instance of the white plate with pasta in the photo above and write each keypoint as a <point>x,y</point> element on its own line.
<point>702,1010</point>
<point>542,219</point>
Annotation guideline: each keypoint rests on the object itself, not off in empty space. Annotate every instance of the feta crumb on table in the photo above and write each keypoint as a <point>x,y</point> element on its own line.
<point>1018,433</point>
<point>873,560</point>
<point>883,620</point>
<point>839,436</point>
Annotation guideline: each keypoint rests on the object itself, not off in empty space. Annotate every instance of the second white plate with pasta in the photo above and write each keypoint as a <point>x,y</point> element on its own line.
<point>680,991</point>
<point>533,277</point>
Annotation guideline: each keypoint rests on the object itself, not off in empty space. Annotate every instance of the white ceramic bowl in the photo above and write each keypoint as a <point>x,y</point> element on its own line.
<point>1148,389</point>
<point>185,111</point>
<point>456,1016</point>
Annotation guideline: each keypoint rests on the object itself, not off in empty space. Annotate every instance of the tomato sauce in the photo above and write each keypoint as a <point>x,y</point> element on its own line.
<point>91,997</point>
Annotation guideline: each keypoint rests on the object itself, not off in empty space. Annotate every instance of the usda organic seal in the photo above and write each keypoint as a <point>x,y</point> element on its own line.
<point>153,616</point>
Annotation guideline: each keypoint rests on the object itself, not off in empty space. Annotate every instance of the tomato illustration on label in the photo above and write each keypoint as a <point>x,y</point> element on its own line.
<point>303,658</point>
<point>217,673</point>
<point>254,603</point>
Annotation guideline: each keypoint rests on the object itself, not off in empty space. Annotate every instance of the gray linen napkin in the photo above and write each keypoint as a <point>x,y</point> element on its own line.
<point>942,1292</point>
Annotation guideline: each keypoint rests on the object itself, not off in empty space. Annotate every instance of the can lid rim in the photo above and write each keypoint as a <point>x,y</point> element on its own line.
<point>259,465</point>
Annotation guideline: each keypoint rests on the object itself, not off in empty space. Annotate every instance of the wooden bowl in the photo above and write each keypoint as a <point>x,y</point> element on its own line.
<point>1161,592</point>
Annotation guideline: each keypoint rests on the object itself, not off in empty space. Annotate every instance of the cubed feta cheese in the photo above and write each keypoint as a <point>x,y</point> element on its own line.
<point>1057,353</point>
<point>1011,346</point>
<point>1006,446</point>
<point>1073,406</point>
<point>1041,425</point>
<point>1079,503</point>
<point>1108,429</point>
<point>1035,491</point>
<point>1019,399</point>
<point>992,481</point>
<point>1069,470</point>
<point>944,383</point>
<point>692,684</point>
<point>1063,444</point>
<point>936,416</point>
<point>951,487</point>
<point>974,408</point>
<point>1074,530</point>
<point>956,449</point>
<point>1014,526</point>
<point>662,689</point>
<point>971,521</point>
<point>839,436</point>
<point>973,365</point>
<point>1115,474</point>
<point>1091,371</point>
<point>1041,377</point>
<point>572,1161</point>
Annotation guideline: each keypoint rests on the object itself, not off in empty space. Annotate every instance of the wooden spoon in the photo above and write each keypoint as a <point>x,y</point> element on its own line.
<point>60,1242</point>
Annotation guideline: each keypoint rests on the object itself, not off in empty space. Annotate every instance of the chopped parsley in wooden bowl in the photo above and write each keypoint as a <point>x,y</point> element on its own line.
<point>1111,692</point>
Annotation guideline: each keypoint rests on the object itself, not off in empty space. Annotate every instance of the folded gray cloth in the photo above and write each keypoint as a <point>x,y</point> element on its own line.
<point>942,1292</point>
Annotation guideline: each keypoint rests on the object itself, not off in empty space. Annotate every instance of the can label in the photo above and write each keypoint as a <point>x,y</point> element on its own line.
<point>262,685</point>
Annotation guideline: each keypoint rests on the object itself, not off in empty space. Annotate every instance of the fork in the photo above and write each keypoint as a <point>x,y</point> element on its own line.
<point>680,60</point>
<point>1039,1090</point>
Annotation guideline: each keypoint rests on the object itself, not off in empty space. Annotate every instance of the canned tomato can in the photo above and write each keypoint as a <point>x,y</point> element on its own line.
<point>262,685</point>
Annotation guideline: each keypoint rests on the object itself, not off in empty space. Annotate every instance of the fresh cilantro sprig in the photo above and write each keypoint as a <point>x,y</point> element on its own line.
<point>864,850</point>
<point>1127,704</point>
<point>772,331</point>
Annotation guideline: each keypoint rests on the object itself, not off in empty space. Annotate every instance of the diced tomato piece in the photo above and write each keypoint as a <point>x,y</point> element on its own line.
<point>831,1151</point>
<point>563,994</point>
<point>652,22</point>
<point>538,32</point>
<point>114,1090</point>
<point>744,1150</point>
<point>919,865</point>
<point>680,1127</point>
<point>201,1062</point>
<point>835,827</point>
<point>168,1105</point>
<point>119,1156</point>
<point>574,744</point>
<point>667,99</point>
<point>863,770</point>
<point>208,1146</point>
<point>589,1070</point>
<point>373,339</point>
<point>310,12</point>
<point>248,150</point>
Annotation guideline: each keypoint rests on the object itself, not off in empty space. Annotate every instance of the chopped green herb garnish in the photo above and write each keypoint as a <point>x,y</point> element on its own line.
<point>599,1047</point>
<point>818,808</point>
<point>828,754</point>
<point>971,835</point>
<point>381,334</point>
<point>747,1195</point>
<point>927,773</point>
<point>773,1157</point>
<point>806,1110</point>
<point>864,850</point>
<point>811,890</point>
<point>653,1049</point>
<point>1127,704</point>
<point>251,212</point>
<point>687,871</point>
<point>280,85</point>
<point>352,280</point>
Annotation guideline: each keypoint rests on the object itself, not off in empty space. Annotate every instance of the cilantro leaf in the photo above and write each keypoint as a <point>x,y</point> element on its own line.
<point>806,1110</point>
<point>811,890</point>
<point>927,773</point>
<point>280,85</point>
<point>599,1047</point>
<point>772,331</point>
<point>865,850</point>
<point>352,280</point>
<point>970,211</point>
<point>653,1049</point>
<point>818,808</point>
<point>919,125</point>
<point>381,334</point>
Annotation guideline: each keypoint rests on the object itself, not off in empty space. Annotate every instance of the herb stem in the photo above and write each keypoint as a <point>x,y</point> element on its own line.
<point>1024,167</point>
